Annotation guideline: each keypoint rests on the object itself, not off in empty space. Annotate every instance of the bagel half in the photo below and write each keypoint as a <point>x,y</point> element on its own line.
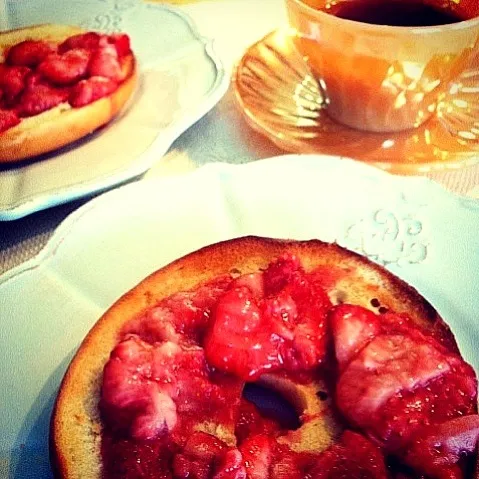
<point>62,124</point>
<point>76,425</point>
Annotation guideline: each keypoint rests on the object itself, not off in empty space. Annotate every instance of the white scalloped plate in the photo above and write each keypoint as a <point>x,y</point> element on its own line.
<point>419,231</point>
<point>181,80</point>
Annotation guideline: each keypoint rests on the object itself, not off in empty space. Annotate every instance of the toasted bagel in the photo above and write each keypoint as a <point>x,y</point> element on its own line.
<point>62,124</point>
<point>76,426</point>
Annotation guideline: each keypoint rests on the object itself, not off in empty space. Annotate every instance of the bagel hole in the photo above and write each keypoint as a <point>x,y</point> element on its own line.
<point>272,405</point>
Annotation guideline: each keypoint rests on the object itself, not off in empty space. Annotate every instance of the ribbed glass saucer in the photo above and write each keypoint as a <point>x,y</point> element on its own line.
<point>281,99</point>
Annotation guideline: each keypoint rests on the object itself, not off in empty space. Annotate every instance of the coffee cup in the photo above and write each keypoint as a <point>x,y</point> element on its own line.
<point>385,65</point>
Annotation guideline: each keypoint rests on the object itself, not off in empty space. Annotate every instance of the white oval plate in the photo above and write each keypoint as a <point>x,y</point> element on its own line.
<point>181,80</point>
<point>419,231</point>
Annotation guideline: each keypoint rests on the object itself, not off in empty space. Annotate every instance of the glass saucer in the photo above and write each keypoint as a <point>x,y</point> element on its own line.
<point>280,98</point>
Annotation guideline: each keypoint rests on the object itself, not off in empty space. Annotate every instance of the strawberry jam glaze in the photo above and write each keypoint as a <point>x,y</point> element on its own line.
<point>174,381</point>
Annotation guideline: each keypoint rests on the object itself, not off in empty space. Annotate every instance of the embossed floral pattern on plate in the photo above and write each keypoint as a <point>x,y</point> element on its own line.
<point>390,237</point>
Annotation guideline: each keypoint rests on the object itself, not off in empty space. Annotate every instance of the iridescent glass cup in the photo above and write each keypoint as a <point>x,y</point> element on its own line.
<point>384,78</point>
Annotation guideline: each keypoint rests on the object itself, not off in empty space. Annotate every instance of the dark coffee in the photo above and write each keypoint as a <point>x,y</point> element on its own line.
<point>400,13</point>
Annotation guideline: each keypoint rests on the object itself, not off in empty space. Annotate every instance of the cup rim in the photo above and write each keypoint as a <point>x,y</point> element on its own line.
<point>470,22</point>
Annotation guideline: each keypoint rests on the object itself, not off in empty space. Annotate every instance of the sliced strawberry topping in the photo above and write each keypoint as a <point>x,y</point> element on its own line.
<point>88,41</point>
<point>353,327</point>
<point>138,387</point>
<point>182,317</point>
<point>388,365</point>
<point>289,465</point>
<point>29,53</point>
<point>238,342</point>
<point>405,388</point>
<point>308,323</point>
<point>105,63</point>
<point>128,459</point>
<point>40,98</point>
<point>8,119</point>
<point>93,40</point>
<point>12,82</point>
<point>148,388</point>
<point>402,385</point>
<point>121,41</point>
<point>92,57</point>
<point>447,397</point>
<point>89,90</point>
<point>34,79</point>
<point>354,457</point>
<point>286,329</point>
<point>438,448</point>
<point>66,68</point>
<point>198,457</point>
<point>257,452</point>
<point>280,273</point>
<point>230,466</point>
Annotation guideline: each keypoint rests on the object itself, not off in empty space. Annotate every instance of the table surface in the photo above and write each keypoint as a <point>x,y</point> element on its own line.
<point>220,136</point>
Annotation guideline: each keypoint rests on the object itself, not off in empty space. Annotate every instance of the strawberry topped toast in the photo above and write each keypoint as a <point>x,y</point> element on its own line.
<point>57,84</point>
<point>374,374</point>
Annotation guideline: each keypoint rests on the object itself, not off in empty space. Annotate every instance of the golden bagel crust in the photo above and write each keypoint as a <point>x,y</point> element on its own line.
<point>76,427</point>
<point>62,124</point>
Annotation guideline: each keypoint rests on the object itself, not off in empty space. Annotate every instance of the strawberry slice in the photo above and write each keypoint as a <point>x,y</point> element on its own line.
<point>354,457</point>
<point>29,53</point>
<point>105,63</point>
<point>257,455</point>
<point>310,330</point>
<point>277,322</point>
<point>353,327</point>
<point>121,41</point>
<point>388,365</point>
<point>197,459</point>
<point>238,342</point>
<point>449,396</point>
<point>66,68</point>
<point>12,82</point>
<point>139,388</point>
<point>401,384</point>
<point>438,448</point>
<point>182,317</point>
<point>40,98</point>
<point>87,41</point>
<point>149,388</point>
<point>281,312</point>
<point>230,466</point>
<point>280,273</point>
<point>8,119</point>
<point>91,89</point>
